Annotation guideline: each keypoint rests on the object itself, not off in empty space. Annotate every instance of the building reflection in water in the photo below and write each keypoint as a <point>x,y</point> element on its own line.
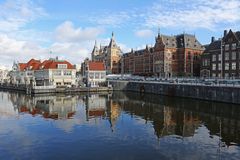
<point>169,116</point>
<point>95,106</point>
<point>102,106</point>
<point>182,117</point>
<point>49,106</point>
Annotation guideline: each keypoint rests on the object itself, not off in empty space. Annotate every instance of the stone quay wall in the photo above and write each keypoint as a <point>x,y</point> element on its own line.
<point>228,94</point>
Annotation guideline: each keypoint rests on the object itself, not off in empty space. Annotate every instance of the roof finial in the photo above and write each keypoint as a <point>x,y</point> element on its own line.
<point>95,43</point>
<point>112,34</point>
<point>158,31</point>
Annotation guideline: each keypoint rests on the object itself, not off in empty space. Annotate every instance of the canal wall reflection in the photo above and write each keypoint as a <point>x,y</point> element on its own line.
<point>178,116</point>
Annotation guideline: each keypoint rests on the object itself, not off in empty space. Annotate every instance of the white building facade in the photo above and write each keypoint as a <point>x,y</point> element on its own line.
<point>94,73</point>
<point>52,72</point>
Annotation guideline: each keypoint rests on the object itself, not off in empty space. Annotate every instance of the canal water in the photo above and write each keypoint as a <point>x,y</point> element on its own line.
<point>118,126</point>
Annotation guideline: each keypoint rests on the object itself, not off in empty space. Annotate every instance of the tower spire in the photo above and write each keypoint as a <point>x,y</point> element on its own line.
<point>158,32</point>
<point>95,43</point>
<point>112,34</point>
<point>112,41</point>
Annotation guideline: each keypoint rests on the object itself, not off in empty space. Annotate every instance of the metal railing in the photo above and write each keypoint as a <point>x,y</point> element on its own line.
<point>181,80</point>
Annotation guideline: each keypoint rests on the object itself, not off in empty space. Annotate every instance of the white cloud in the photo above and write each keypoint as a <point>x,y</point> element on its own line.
<point>74,52</point>
<point>110,19</point>
<point>22,51</point>
<point>124,48</point>
<point>14,14</point>
<point>195,14</point>
<point>12,49</point>
<point>145,33</point>
<point>66,32</point>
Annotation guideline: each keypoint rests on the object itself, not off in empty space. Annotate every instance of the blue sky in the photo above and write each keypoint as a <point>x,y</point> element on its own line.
<point>68,28</point>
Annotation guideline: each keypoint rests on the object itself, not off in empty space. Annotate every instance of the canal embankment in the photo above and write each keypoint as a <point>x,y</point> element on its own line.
<point>53,89</point>
<point>227,94</point>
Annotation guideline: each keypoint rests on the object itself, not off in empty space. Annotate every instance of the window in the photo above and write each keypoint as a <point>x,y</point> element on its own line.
<point>233,55</point>
<point>57,73</point>
<point>226,75</point>
<point>226,55</point>
<point>213,57</point>
<point>214,75</point>
<point>219,66</point>
<point>58,83</point>
<point>67,73</point>
<point>96,75</point>
<point>29,73</point>
<point>91,75</point>
<point>226,47</point>
<point>213,66</point>
<point>234,46</point>
<point>103,75</point>
<point>226,66</point>
<point>205,62</point>
<point>234,66</point>
<point>62,66</point>
<point>220,57</point>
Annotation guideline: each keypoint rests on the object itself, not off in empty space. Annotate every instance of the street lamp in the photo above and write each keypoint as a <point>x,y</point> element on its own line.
<point>192,64</point>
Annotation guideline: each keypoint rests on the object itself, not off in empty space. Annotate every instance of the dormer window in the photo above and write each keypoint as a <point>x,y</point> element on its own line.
<point>62,66</point>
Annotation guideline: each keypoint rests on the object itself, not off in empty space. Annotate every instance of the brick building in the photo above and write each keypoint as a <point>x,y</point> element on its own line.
<point>222,57</point>
<point>110,55</point>
<point>170,56</point>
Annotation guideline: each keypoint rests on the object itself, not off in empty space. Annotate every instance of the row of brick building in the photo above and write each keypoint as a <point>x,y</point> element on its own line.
<point>179,55</point>
<point>170,56</point>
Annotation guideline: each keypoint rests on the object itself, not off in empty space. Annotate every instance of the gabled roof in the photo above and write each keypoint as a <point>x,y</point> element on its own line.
<point>31,65</point>
<point>216,45</point>
<point>22,66</point>
<point>237,35</point>
<point>53,64</point>
<point>179,41</point>
<point>47,64</point>
<point>96,66</point>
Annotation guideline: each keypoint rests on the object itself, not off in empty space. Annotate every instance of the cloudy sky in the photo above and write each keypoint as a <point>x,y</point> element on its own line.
<point>68,28</point>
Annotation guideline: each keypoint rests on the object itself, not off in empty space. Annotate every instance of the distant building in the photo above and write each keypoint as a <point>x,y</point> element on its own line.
<point>110,55</point>
<point>170,56</point>
<point>23,73</point>
<point>94,73</point>
<point>221,57</point>
<point>49,72</point>
<point>4,75</point>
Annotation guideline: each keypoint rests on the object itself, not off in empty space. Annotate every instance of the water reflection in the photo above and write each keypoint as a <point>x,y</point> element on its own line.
<point>177,116</point>
<point>55,107</point>
<point>124,114</point>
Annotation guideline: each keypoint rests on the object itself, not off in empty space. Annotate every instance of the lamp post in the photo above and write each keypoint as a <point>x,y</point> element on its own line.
<point>192,65</point>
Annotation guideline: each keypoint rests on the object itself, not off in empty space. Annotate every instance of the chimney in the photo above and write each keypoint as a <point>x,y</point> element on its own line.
<point>225,33</point>
<point>213,39</point>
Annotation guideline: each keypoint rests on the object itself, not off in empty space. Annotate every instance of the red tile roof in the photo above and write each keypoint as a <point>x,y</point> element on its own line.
<point>96,113</point>
<point>22,66</point>
<point>52,64</point>
<point>96,66</point>
<point>47,64</point>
